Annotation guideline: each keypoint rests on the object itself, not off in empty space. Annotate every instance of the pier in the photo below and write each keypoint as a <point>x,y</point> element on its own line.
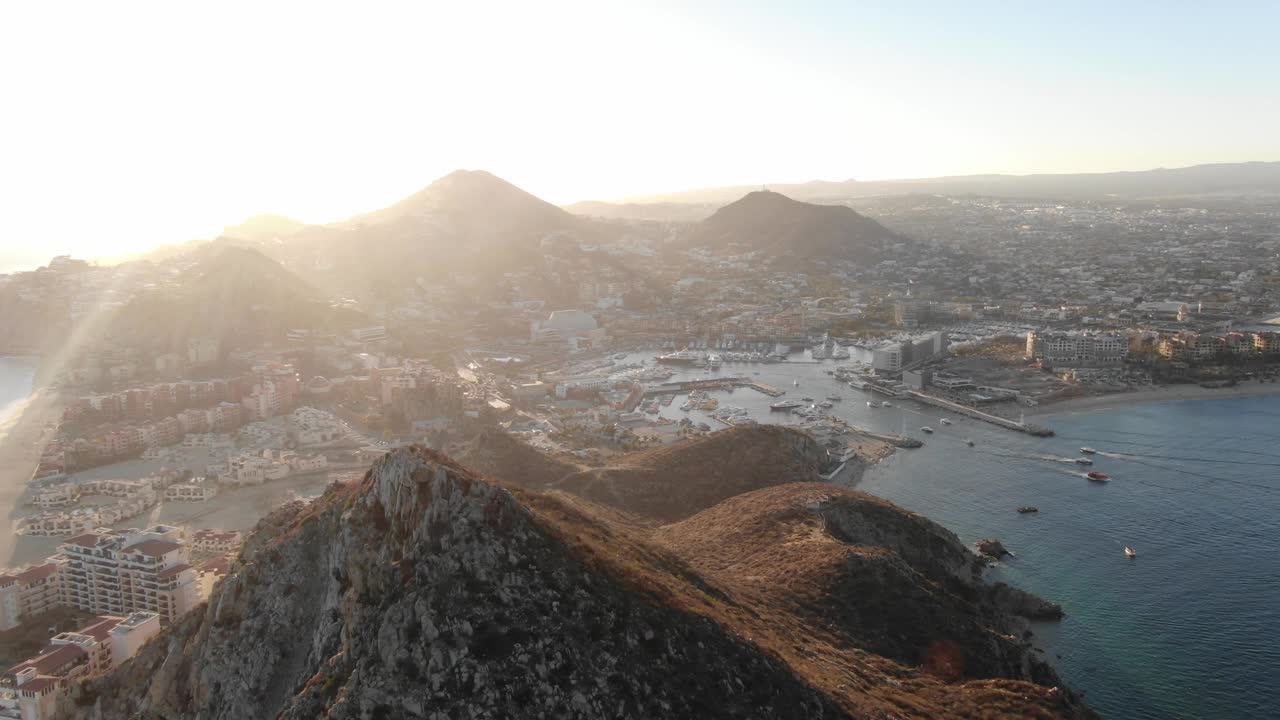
<point>675,388</point>
<point>1028,428</point>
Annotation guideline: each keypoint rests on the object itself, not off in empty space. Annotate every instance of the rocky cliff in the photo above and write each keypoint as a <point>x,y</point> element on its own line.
<point>426,591</point>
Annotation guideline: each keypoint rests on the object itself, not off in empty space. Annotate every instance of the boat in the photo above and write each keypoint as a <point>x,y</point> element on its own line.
<point>1083,461</point>
<point>795,383</point>
<point>944,421</point>
<point>620,356</point>
<point>786,405</point>
<point>834,397</point>
<point>886,403</point>
<point>682,357</point>
<point>1130,552</point>
<point>969,443</point>
<point>1097,476</point>
<point>826,404</point>
<point>873,404</point>
<point>1088,451</point>
<point>926,429</point>
<point>1028,509</point>
<point>807,399</point>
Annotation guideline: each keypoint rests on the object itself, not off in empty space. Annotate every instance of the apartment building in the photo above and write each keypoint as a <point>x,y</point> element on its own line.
<point>119,572</point>
<point>190,492</point>
<point>30,690</point>
<point>1077,349</point>
<point>28,592</point>
<point>214,542</point>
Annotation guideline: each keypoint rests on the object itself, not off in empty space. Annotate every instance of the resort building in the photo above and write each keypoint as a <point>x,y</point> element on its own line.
<point>28,592</point>
<point>123,571</point>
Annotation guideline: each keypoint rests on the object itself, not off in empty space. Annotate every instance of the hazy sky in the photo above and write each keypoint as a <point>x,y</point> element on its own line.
<point>127,125</point>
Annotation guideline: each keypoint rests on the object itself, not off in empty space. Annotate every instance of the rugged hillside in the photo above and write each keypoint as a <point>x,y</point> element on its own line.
<point>791,233</point>
<point>426,592</point>
<point>498,454</point>
<point>673,482</point>
<point>234,294</point>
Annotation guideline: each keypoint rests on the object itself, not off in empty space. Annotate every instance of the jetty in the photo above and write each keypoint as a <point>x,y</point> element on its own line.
<point>957,408</point>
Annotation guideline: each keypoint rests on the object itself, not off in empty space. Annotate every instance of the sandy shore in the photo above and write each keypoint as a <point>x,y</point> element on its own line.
<point>1163,393</point>
<point>22,436</point>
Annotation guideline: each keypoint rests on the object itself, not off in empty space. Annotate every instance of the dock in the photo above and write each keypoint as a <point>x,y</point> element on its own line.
<point>675,388</point>
<point>1028,428</point>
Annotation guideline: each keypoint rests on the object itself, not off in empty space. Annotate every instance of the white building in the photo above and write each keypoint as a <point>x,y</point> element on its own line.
<point>122,571</point>
<point>190,492</point>
<point>1060,349</point>
<point>29,591</point>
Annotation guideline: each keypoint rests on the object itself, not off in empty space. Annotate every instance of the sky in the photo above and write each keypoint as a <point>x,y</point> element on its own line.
<point>130,125</point>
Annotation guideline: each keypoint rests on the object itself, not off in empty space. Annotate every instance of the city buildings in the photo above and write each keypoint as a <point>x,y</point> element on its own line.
<point>896,355</point>
<point>28,592</point>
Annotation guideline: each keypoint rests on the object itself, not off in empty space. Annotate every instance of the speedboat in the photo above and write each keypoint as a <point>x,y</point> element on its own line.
<point>795,383</point>
<point>926,429</point>
<point>944,421</point>
<point>826,404</point>
<point>1130,552</point>
<point>834,397</point>
<point>886,403</point>
<point>1097,476</point>
<point>969,443</point>
<point>1088,450</point>
<point>1028,509</point>
<point>1083,461</point>
<point>807,399</point>
<point>873,404</point>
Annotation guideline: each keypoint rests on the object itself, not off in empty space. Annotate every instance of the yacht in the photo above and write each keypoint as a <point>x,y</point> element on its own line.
<point>786,405</point>
<point>1083,461</point>
<point>944,421</point>
<point>886,403</point>
<point>834,397</point>
<point>826,404</point>
<point>926,429</point>
<point>1088,451</point>
<point>873,404</point>
<point>681,357</point>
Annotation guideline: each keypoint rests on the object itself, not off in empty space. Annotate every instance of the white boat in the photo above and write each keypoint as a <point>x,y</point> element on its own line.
<point>886,403</point>
<point>1088,450</point>
<point>826,404</point>
<point>873,404</point>
<point>834,397</point>
<point>944,421</point>
<point>926,429</point>
<point>1130,552</point>
<point>1083,461</point>
<point>795,383</point>
<point>786,405</point>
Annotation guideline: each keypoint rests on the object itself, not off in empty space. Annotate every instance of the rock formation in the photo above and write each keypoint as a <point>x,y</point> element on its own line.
<point>426,591</point>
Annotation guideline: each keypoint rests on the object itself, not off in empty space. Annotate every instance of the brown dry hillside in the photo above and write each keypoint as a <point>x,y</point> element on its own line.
<point>499,454</point>
<point>425,591</point>
<point>674,482</point>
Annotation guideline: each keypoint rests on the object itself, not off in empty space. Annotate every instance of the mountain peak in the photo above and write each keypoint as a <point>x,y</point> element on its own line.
<point>792,233</point>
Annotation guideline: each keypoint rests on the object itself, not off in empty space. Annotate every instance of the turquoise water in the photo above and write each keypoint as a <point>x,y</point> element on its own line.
<point>1188,629</point>
<point>17,377</point>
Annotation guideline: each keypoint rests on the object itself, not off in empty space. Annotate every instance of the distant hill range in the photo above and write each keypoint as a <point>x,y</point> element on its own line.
<point>791,233</point>
<point>1223,179</point>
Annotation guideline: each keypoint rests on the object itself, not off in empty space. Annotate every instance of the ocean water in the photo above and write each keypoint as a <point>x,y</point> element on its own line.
<point>1188,629</point>
<point>17,378</point>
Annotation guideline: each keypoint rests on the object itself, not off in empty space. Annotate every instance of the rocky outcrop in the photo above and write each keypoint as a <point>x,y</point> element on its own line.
<point>425,591</point>
<point>991,548</point>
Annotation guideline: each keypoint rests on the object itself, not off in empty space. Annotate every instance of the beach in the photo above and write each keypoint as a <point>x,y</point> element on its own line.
<point>1160,393</point>
<point>22,435</point>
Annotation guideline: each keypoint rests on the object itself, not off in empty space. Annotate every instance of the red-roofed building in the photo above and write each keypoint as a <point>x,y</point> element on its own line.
<point>28,592</point>
<point>123,572</point>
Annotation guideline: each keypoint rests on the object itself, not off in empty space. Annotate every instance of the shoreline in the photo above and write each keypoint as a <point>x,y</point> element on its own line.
<point>1163,393</point>
<point>22,437</point>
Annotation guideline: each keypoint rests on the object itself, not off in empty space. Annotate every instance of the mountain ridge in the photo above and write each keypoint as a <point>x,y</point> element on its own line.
<point>424,590</point>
